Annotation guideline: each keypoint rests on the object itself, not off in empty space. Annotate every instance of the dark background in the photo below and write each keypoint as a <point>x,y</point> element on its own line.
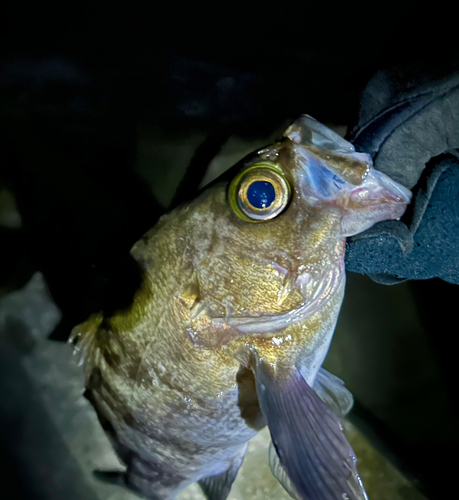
<point>79,84</point>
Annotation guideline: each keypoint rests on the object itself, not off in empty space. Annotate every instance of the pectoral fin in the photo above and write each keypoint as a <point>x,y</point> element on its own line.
<point>218,487</point>
<point>308,438</point>
<point>332,392</point>
<point>279,472</point>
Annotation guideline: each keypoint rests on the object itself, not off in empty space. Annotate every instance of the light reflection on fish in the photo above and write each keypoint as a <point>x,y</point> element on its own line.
<point>241,292</point>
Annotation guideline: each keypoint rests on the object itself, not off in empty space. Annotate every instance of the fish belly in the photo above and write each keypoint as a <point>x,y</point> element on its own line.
<point>164,455</point>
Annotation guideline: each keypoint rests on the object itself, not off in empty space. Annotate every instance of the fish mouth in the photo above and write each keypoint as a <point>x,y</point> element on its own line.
<point>321,183</point>
<point>333,173</point>
<point>316,294</point>
<point>380,188</point>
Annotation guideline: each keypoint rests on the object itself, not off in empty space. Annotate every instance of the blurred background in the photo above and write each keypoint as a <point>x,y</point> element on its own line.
<point>110,114</point>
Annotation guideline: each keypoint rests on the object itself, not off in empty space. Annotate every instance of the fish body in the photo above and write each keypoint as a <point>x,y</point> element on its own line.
<point>240,296</point>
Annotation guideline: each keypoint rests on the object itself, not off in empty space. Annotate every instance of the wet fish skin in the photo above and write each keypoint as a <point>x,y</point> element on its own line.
<point>173,377</point>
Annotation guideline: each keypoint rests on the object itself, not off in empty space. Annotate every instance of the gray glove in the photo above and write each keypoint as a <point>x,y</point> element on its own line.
<point>409,123</point>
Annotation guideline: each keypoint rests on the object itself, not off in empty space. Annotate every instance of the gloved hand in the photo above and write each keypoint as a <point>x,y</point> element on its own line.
<point>409,123</point>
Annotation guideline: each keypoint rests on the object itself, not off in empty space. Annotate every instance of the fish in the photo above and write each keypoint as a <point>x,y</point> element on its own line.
<point>240,294</point>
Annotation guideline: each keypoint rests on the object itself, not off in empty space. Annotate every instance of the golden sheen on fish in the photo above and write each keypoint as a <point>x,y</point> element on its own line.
<point>240,295</point>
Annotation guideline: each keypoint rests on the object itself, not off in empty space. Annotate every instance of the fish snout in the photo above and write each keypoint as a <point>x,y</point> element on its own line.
<point>378,198</point>
<point>331,173</point>
<point>386,189</point>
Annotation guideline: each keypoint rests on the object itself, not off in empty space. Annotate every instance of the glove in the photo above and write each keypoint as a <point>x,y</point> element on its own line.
<point>409,123</point>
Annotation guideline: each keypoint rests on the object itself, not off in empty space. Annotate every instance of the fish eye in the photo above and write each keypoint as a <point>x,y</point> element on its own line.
<point>260,192</point>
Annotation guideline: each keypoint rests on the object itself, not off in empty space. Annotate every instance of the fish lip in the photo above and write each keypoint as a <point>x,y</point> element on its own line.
<point>330,282</point>
<point>393,191</point>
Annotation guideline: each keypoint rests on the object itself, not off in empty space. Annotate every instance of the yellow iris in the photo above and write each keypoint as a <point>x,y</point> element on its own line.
<point>239,192</point>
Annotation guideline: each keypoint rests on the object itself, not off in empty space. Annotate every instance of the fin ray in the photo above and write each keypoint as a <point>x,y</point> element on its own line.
<point>308,438</point>
<point>279,472</point>
<point>218,487</point>
<point>333,393</point>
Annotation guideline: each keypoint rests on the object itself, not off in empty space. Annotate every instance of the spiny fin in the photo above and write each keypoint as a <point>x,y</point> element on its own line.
<point>83,336</point>
<point>308,438</point>
<point>219,487</point>
<point>332,392</point>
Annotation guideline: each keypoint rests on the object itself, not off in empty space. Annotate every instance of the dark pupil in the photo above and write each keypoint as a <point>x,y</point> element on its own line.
<point>261,194</point>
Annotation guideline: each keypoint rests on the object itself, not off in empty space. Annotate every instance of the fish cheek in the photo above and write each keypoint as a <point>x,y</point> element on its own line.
<point>248,399</point>
<point>290,346</point>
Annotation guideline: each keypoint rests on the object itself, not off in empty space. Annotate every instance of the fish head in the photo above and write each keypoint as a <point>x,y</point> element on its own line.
<point>262,255</point>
